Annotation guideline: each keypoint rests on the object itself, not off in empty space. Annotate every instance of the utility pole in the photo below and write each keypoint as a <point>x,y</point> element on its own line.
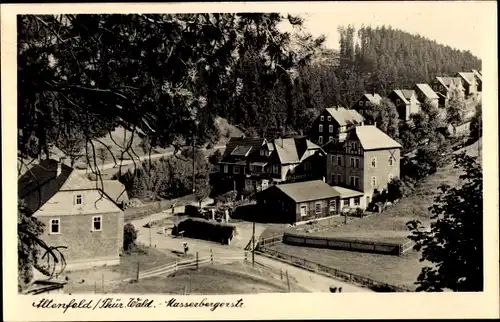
<point>150,229</point>
<point>194,189</point>
<point>253,243</point>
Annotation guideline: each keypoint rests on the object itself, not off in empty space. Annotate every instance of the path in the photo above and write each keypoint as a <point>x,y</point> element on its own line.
<point>111,165</point>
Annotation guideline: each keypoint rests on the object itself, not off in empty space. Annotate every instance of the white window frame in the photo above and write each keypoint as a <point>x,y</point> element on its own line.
<point>332,159</point>
<point>320,139</point>
<point>352,163</point>
<point>441,87</point>
<point>276,168</point>
<point>322,118</point>
<point>332,204</point>
<point>373,161</point>
<point>330,138</point>
<point>58,226</point>
<point>320,128</point>
<point>79,197</point>
<point>94,220</point>
<point>226,168</point>
<point>236,169</point>
<point>329,118</point>
<point>360,103</point>
<point>357,163</point>
<point>374,182</point>
<point>398,101</point>
<point>305,212</point>
<point>330,128</point>
<point>316,204</point>
<point>357,201</point>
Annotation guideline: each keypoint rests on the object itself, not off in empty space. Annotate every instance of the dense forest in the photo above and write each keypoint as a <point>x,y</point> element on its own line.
<point>380,60</point>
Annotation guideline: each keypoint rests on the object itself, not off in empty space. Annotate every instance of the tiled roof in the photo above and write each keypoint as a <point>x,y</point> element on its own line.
<point>345,116</point>
<point>427,91</point>
<point>113,188</point>
<point>234,142</point>
<point>40,174</point>
<point>372,138</point>
<point>373,98</point>
<point>308,190</point>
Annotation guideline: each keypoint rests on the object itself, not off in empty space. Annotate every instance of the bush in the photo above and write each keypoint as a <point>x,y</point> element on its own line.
<point>359,212</point>
<point>129,237</point>
<point>204,229</point>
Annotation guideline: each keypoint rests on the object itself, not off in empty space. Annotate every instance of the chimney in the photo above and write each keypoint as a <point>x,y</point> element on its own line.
<point>59,166</point>
<point>375,124</point>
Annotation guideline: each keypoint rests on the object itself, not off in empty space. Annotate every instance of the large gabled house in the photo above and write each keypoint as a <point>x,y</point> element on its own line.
<point>469,82</point>
<point>406,103</point>
<point>77,213</point>
<point>366,102</point>
<point>333,123</point>
<point>253,164</point>
<point>425,94</point>
<point>443,87</point>
<point>366,161</point>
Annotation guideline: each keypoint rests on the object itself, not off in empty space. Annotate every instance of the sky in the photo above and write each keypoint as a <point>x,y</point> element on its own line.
<point>457,24</point>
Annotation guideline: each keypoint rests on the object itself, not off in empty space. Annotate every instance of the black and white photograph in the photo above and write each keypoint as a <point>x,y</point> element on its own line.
<point>219,153</point>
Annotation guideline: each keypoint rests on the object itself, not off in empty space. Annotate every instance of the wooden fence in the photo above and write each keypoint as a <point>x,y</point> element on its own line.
<point>261,242</point>
<point>346,244</point>
<point>331,272</point>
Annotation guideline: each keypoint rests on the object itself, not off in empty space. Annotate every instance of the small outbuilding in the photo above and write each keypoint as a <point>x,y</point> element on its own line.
<point>294,202</point>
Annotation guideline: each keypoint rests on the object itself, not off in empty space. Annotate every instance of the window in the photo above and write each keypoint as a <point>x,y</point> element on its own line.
<point>333,159</point>
<point>333,179</point>
<point>339,161</point>
<point>329,118</point>
<point>356,162</point>
<point>374,182</point>
<point>55,226</point>
<point>276,168</point>
<point>97,223</point>
<point>330,128</point>
<point>332,205</point>
<point>322,118</point>
<point>398,101</point>
<point>352,162</point>
<point>356,201</point>
<point>320,139</point>
<point>263,152</point>
<point>78,199</point>
<point>441,87</point>
<point>330,138</point>
<point>374,162</point>
<point>320,127</point>
<point>226,168</point>
<point>303,211</point>
<point>236,169</point>
<point>354,181</point>
<point>391,161</point>
<point>360,103</point>
<point>307,166</point>
<point>317,207</point>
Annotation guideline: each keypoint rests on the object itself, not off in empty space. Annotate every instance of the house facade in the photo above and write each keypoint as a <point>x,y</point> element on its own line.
<point>406,103</point>
<point>469,82</point>
<point>366,161</point>
<point>75,214</point>
<point>366,102</point>
<point>479,80</point>
<point>333,123</point>
<point>443,87</point>
<point>425,94</point>
<point>302,201</point>
<point>253,165</point>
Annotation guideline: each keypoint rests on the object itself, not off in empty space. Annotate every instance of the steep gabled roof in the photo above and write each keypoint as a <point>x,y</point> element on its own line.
<point>447,81</point>
<point>427,91</point>
<point>373,98</point>
<point>308,190</point>
<point>41,174</point>
<point>293,150</point>
<point>234,142</point>
<point>467,76</point>
<point>477,74</point>
<point>401,96</point>
<point>345,116</point>
<point>372,138</point>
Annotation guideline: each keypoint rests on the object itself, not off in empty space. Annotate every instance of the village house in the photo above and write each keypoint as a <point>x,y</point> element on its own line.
<point>365,102</point>
<point>443,86</point>
<point>76,213</point>
<point>333,123</point>
<point>469,82</point>
<point>425,94</point>
<point>366,161</point>
<point>295,202</point>
<point>479,80</point>
<point>406,103</point>
<point>253,164</point>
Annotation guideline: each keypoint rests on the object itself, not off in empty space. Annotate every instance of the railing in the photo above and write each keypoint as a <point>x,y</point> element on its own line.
<point>331,272</point>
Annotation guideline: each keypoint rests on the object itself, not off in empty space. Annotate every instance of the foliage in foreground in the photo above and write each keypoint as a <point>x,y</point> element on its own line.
<point>454,244</point>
